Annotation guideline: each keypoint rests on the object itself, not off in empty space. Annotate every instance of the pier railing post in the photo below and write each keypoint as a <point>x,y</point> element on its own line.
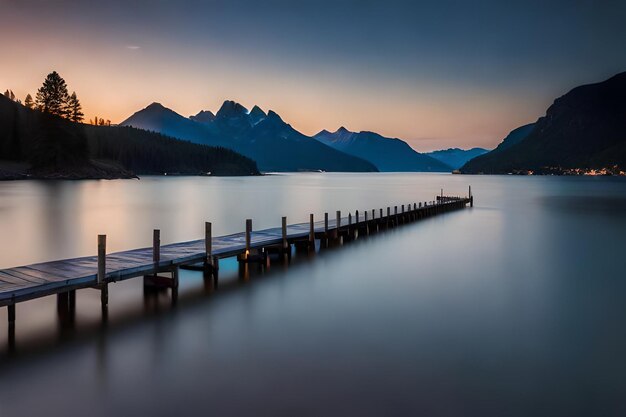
<point>248,236</point>
<point>101,277</point>
<point>284,232</point>
<point>311,231</point>
<point>326,225</point>
<point>102,249</point>
<point>357,217</point>
<point>208,242</point>
<point>156,247</point>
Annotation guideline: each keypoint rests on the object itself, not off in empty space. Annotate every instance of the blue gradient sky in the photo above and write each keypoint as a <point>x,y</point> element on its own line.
<point>436,74</point>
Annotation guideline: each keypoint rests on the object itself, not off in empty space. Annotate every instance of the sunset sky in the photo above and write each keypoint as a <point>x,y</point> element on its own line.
<point>437,74</point>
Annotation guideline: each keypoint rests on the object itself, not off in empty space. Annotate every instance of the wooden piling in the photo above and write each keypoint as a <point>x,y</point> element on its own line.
<point>104,295</point>
<point>11,314</point>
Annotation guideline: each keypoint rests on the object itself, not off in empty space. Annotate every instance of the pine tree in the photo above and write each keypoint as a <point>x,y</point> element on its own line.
<point>28,101</point>
<point>12,96</point>
<point>53,97</point>
<point>7,94</point>
<point>74,109</point>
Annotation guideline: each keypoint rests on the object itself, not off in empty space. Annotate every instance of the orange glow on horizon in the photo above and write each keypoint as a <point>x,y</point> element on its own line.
<point>121,79</point>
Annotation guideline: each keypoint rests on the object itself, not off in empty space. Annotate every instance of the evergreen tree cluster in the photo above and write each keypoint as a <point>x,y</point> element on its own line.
<point>41,139</point>
<point>53,97</point>
<point>56,145</point>
<point>145,152</point>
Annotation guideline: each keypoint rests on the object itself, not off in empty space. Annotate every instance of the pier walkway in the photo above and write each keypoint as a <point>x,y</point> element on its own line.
<point>64,277</point>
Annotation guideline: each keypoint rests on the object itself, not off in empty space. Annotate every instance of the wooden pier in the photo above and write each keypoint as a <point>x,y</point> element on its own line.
<point>159,265</point>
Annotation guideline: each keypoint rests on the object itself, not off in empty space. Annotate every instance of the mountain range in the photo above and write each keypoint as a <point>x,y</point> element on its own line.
<point>455,158</point>
<point>583,129</point>
<point>265,138</point>
<point>388,154</point>
<point>277,146</point>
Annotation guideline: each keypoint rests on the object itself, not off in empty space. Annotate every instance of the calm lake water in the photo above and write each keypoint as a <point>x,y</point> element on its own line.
<point>516,307</point>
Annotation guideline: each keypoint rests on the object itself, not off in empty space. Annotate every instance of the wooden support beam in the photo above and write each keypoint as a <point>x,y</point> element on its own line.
<point>175,277</point>
<point>357,217</point>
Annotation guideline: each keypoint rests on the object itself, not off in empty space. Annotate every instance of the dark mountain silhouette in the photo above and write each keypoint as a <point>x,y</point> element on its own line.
<point>256,115</point>
<point>585,128</point>
<point>455,157</point>
<point>390,155</point>
<point>39,145</point>
<point>515,136</point>
<point>204,116</point>
<point>272,143</point>
<point>157,118</point>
